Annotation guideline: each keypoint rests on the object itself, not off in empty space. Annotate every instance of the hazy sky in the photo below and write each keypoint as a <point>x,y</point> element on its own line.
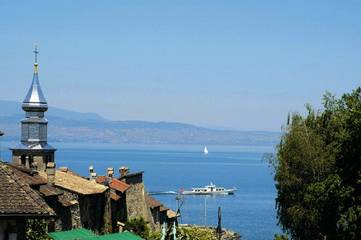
<point>231,64</point>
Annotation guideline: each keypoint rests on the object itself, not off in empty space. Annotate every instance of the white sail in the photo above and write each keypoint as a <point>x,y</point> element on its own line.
<point>205,151</point>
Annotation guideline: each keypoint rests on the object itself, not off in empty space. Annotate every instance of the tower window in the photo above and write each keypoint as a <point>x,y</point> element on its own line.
<point>23,159</point>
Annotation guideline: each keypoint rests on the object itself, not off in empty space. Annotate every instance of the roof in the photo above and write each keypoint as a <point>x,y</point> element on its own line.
<point>79,233</point>
<point>66,202</point>
<point>171,214</point>
<point>129,175</point>
<point>119,185</point>
<point>30,176</point>
<point>75,183</point>
<point>114,196</point>
<point>34,146</point>
<point>35,97</point>
<point>163,208</point>
<point>17,198</point>
<point>48,190</point>
<point>84,234</point>
<point>114,183</point>
<point>152,202</point>
<point>119,236</point>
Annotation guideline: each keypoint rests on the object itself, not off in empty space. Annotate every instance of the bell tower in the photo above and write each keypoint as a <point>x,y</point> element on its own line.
<point>34,151</point>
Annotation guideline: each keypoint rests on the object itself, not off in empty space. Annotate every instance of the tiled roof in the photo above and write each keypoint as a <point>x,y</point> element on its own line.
<point>47,190</point>
<point>152,202</point>
<point>114,183</point>
<point>163,208</point>
<point>73,182</point>
<point>31,177</point>
<point>17,198</point>
<point>102,180</point>
<point>66,202</point>
<point>119,185</point>
<point>171,214</point>
<point>114,196</point>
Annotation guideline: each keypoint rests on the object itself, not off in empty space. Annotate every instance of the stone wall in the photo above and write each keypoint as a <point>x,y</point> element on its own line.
<point>95,212</point>
<point>33,159</point>
<point>88,211</point>
<point>136,205</point>
<point>68,216</point>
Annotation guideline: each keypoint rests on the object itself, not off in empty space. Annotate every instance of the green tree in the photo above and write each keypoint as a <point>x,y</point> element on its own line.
<point>36,229</point>
<point>280,237</point>
<point>196,233</point>
<point>318,171</point>
<point>137,226</point>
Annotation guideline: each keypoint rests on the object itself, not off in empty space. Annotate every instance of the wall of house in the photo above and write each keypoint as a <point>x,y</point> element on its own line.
<point>68,217</point>
<point>88,211</point>
<point>12,228</point>
<point>136,204</point>
<point>95,212</point>
<point>156,216</point>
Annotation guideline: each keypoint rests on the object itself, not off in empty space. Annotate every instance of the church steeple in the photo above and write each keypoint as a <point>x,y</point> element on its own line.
<point>35,99</point>
<point>34,150</point>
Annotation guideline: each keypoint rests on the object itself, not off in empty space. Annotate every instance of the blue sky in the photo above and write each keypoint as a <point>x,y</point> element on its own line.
<point>226,64</point>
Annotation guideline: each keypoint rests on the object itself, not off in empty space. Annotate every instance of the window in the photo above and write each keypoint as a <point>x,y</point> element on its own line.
<point>23,159</point>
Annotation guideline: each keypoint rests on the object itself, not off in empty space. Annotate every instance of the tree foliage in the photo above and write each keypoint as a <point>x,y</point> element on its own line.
<point>36,229</point>
<point>196,233</point>
<point>137,226</point>
<point>318,171</point>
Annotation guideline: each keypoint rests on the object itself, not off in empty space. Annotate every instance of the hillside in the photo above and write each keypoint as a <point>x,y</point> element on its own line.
<point>70,126</point>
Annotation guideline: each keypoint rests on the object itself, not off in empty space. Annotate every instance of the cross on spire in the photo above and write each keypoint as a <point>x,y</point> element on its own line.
<point>36,52</point>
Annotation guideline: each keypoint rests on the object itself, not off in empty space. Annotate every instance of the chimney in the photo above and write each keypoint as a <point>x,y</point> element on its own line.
<point>50,172</point>
<point>64,169</point>
<point>123,171</point>
<point>110,172</point>
<point>92,174</point>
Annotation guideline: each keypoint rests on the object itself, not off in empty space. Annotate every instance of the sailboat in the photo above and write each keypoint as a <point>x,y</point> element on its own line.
<point>205,151</point>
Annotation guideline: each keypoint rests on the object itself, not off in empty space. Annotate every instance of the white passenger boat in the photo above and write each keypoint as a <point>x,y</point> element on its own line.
<point>210,189</point>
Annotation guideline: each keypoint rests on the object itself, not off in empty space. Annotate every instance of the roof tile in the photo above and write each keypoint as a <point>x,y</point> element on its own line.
<point>17,198</point>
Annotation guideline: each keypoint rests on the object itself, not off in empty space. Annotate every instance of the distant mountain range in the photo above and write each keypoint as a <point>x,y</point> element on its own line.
<point>70,126</point>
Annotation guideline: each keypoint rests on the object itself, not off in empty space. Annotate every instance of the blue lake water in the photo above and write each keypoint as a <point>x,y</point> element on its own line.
<point>251,211</point>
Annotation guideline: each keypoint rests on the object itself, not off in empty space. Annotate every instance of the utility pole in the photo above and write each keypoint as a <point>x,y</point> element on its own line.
<point>219,225</point>
<point>1,134</point>
<point>205,211</point>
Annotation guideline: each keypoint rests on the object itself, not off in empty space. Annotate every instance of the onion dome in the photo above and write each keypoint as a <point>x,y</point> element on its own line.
<point>35,100</point>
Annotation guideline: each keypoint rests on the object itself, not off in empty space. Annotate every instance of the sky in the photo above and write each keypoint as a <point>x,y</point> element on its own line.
<point>223,64</point>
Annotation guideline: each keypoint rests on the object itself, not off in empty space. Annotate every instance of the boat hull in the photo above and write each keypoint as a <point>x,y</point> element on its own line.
<point>225,192</point>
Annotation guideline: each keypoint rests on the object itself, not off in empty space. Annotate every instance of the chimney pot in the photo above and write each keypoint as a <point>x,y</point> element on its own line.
<point>110,172</point>
<point>123,171</point>
<point>93,176</point>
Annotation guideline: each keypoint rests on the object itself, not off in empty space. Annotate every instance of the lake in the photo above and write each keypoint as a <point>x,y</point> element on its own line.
<point>251,211</point>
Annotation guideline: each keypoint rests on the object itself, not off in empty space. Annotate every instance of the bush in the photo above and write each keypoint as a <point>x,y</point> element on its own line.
<point>36,229</point>
<point>137,226</point>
